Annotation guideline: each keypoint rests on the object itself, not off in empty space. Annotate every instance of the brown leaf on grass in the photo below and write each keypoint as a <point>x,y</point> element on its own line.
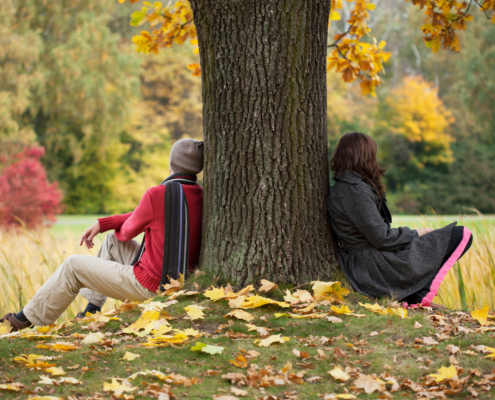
<point>266,286</point>
<point>427,340</point>
<point>369,384</point>
<point>238,392</point>
<point>224,397</point>
<point>211,372</point>
<point>338,353</point>
<point>417,325</point>
<point>452,349</point>
<point>240,361</point>
<point>300,354</point>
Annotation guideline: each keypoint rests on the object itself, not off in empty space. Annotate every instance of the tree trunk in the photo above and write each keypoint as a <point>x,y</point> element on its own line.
<point>266,173</point>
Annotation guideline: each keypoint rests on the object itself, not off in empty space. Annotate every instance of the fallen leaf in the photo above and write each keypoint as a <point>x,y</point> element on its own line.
<point>118,388</point>
<point>340,375</point>
<point>46,380</point>
<point>60,346</point>
<point>93,338</point>
<point>237,302</point>
<point>130,356</point>
<point>369,384</point>
<point>334,320</point>
<point>481,315</point>
<point>238,392</point>
<point>341,310</point>
<point>240,361</point>
<point>266,286</point>
<point>417,325</point>
<point>55,371</point>
<point>444,373</point>
<point>270,340</point>
<point>258,301</point>
<point>240,314</point>
<point>194,312</point>
<point>215,294</point>
<point>212,349</point>
<point>15,387</point>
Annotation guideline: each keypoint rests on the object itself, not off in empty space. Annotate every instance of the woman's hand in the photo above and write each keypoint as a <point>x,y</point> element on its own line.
<point>89,234</point>
<point>423,231</point>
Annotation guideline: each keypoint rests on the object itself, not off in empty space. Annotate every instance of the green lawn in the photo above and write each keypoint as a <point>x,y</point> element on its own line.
<point>75,225</point>
<point>373,346</point>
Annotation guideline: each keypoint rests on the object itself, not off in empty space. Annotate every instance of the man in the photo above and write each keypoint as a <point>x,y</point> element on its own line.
<point>169,214</point>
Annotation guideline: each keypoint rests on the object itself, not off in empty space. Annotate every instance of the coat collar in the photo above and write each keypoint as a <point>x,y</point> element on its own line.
<point>350,177</point>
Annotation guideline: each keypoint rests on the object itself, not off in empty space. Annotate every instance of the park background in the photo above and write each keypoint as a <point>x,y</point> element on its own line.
<point>87,124</point>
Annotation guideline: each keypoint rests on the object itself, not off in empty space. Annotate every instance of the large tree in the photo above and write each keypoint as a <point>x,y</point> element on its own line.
<point>263,66</point>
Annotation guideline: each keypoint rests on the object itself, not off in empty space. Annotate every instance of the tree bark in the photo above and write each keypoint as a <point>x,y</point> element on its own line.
<point>266,173</point>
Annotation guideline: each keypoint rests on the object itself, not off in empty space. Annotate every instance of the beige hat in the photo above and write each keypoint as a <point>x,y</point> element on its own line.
<point>187,156</point>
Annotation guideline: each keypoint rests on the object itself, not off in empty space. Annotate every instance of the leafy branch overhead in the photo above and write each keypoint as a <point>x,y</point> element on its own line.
<point>354,53</point>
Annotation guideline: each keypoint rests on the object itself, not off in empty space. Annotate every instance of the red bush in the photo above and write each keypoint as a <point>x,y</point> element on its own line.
<point>25,193</point>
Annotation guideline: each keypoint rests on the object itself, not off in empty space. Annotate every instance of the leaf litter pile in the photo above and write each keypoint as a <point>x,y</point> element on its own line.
<point>316,341</point>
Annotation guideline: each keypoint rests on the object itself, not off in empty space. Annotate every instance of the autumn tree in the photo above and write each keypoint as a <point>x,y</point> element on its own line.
<point>263,66</point>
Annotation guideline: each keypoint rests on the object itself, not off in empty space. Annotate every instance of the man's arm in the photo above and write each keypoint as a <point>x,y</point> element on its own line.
<point>127,226</point>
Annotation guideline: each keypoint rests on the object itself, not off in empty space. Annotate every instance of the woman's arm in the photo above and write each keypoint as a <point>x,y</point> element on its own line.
<point>361,208</point>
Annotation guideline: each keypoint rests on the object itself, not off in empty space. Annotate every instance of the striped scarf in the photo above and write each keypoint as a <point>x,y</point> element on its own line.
<point>176,243</point>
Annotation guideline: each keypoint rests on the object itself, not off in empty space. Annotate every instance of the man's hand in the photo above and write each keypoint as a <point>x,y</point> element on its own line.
<point>89,234</point>
<point>424,231</point>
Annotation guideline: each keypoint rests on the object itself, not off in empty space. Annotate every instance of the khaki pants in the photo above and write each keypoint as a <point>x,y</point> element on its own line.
<point>108,274</point>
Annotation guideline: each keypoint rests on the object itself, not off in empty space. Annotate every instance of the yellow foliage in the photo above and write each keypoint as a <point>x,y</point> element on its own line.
<point>417,113</point>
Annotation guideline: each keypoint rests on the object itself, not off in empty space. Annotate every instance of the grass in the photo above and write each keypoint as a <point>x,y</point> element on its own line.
<point>394,346</point>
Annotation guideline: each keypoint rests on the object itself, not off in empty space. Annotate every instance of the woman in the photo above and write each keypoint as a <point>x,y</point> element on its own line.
<point>407,264</point>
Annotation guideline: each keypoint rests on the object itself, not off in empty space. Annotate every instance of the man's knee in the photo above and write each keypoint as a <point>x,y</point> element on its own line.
<point>72,263</point>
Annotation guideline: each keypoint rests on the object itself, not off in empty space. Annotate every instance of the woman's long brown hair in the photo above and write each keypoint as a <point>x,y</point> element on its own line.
<point>357,152</point>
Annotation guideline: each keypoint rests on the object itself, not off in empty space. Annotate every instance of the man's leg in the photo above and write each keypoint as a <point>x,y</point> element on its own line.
<point>112,249</point>
<point>102,276</point>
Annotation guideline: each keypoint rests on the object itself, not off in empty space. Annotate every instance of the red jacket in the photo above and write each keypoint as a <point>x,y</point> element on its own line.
<point>149,217</point>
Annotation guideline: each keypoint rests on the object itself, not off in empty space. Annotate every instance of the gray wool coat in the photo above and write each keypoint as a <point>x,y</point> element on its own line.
<point>379,260</point>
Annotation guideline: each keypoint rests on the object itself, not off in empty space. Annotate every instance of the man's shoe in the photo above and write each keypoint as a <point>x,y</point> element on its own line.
<point>15,323</point>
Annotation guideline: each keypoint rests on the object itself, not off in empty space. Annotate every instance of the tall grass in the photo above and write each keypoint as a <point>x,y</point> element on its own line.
<point>28,259</point>
<point>471,282</point>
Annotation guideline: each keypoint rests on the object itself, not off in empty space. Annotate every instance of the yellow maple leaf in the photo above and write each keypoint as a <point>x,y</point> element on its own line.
<point>491,350</point>
<point>56,371</point>
<point>130,356</point>
<point>337,373</point>
<point>258,301</point>
<point>445,373</point>
<point>194,312</point>
<point>215,294</point>
<point>341,310</point>
<point>240,314</point>
<point>481,315</point>
<point>144,320</point>
<point>117,387</point>
<point>266,286</point>
<point>270,340</point>
<point>188,332</point>
<point>376,308</point>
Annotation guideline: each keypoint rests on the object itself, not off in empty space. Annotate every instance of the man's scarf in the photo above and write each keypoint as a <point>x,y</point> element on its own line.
<point>176,243</point>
